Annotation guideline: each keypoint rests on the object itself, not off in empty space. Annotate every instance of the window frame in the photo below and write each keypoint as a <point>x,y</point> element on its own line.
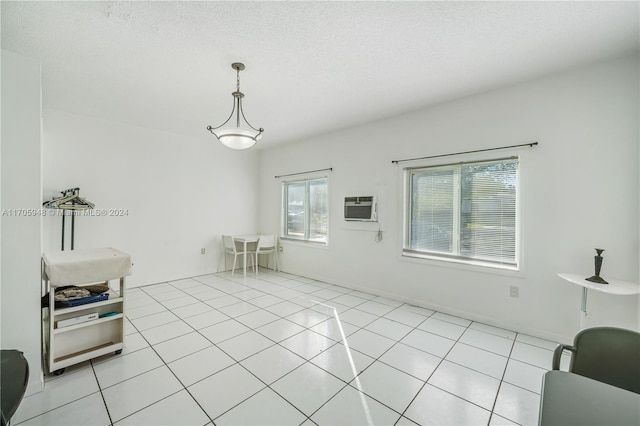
<point>306,210</point>
<point>455,258</point>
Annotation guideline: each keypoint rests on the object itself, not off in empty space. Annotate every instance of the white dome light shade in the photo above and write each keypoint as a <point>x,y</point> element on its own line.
<point>243,135</point>
<point>236,138</point>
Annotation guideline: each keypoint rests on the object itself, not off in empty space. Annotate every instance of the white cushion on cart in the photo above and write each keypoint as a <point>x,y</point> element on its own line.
<point>85,266</point>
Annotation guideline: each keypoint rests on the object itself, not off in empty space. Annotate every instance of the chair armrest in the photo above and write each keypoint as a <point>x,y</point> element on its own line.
<point>557,354</point>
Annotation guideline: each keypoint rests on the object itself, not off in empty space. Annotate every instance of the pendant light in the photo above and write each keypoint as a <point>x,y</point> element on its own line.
<point>236,132</point>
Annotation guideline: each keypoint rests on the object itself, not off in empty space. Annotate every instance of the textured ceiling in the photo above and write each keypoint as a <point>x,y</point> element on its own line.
<point>312,67</point>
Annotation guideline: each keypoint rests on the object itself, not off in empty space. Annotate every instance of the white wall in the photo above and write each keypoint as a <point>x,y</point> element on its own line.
<point>21,189</point>
<point>180,193</point>
<point>579,191</point>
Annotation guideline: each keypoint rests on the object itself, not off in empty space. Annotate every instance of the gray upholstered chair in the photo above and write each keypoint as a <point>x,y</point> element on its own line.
<point>606,354</point>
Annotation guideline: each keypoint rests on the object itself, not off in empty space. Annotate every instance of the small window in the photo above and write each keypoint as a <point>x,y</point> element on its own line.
<point>305,210</point>
<point>465,212</point>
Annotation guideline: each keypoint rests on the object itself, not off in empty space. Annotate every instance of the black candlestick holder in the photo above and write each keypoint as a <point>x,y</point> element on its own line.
<point>598,264</point>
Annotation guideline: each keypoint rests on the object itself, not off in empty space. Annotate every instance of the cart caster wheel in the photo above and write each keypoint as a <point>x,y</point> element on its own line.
<point>58,372</point>
<point>119,351</point>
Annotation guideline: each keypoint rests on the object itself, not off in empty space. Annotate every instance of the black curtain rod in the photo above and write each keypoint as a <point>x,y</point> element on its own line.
<point>304,173</point>
<point>532,144</point>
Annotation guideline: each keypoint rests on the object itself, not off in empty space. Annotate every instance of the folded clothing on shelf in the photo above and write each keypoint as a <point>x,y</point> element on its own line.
<point>72,295</point>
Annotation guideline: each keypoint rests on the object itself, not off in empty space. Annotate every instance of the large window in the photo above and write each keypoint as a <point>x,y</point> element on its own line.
<point>305,210</point>
<point>465,211</point>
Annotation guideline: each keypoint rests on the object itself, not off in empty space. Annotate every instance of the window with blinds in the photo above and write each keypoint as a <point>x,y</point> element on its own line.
<point>463,211</point>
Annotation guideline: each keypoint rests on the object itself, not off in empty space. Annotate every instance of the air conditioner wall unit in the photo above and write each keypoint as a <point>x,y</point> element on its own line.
<point>362,208</point>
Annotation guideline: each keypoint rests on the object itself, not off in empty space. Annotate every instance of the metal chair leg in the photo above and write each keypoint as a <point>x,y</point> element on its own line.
<point>235,258</point>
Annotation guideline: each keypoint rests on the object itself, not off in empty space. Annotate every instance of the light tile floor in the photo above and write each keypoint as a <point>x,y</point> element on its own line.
<point>280,349</point>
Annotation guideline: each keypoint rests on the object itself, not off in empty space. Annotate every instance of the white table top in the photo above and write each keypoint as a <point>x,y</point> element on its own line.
<point>570,399</point>
<point>249,237</point>
<point>617,287</point>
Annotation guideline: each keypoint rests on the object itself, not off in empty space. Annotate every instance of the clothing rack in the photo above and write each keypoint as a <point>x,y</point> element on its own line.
<point>70,200</point>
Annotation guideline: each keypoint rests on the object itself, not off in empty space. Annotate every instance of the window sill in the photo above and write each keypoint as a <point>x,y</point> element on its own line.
<point>308,243</point>
<point>469,265</point>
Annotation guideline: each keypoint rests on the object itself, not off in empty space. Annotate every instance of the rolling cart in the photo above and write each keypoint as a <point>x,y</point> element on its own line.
<point>90,327</point>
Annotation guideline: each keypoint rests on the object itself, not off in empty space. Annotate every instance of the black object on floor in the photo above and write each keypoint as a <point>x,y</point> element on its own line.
<point>14,376</point>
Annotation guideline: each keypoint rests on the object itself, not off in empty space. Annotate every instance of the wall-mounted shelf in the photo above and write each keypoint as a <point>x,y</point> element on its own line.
<point>615,287</point>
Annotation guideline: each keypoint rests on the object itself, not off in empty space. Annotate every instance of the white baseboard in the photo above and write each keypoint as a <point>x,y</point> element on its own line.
<point>541,334</point>
<point>35,386</point>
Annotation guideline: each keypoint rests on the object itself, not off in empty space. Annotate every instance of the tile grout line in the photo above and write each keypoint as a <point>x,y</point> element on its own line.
<point>61,405</point>
<point>104,401</point>
<point>306,361</point>
<point>426,382</point>
<point>374,360</point>
<point>361,328</point>
<point>236,362</point>
<point>253,285</point>
<point>150,346</point>
<point>177,378</point>
<point>495,401</point>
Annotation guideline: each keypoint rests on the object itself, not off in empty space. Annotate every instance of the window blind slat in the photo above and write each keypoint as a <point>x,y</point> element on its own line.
<point>486,214</point>
<point>432,211</point>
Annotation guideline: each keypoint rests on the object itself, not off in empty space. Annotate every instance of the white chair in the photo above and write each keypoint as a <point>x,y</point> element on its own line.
<point>231,247</point>
<point>267,244</point>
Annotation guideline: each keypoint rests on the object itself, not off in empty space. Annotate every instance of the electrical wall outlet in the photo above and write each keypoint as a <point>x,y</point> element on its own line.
<point>202,250</point>
<point>514,291</point>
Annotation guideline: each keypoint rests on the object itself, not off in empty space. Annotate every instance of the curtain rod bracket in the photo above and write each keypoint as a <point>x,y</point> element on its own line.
<point>531,145</point>
<point>330,169</point>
